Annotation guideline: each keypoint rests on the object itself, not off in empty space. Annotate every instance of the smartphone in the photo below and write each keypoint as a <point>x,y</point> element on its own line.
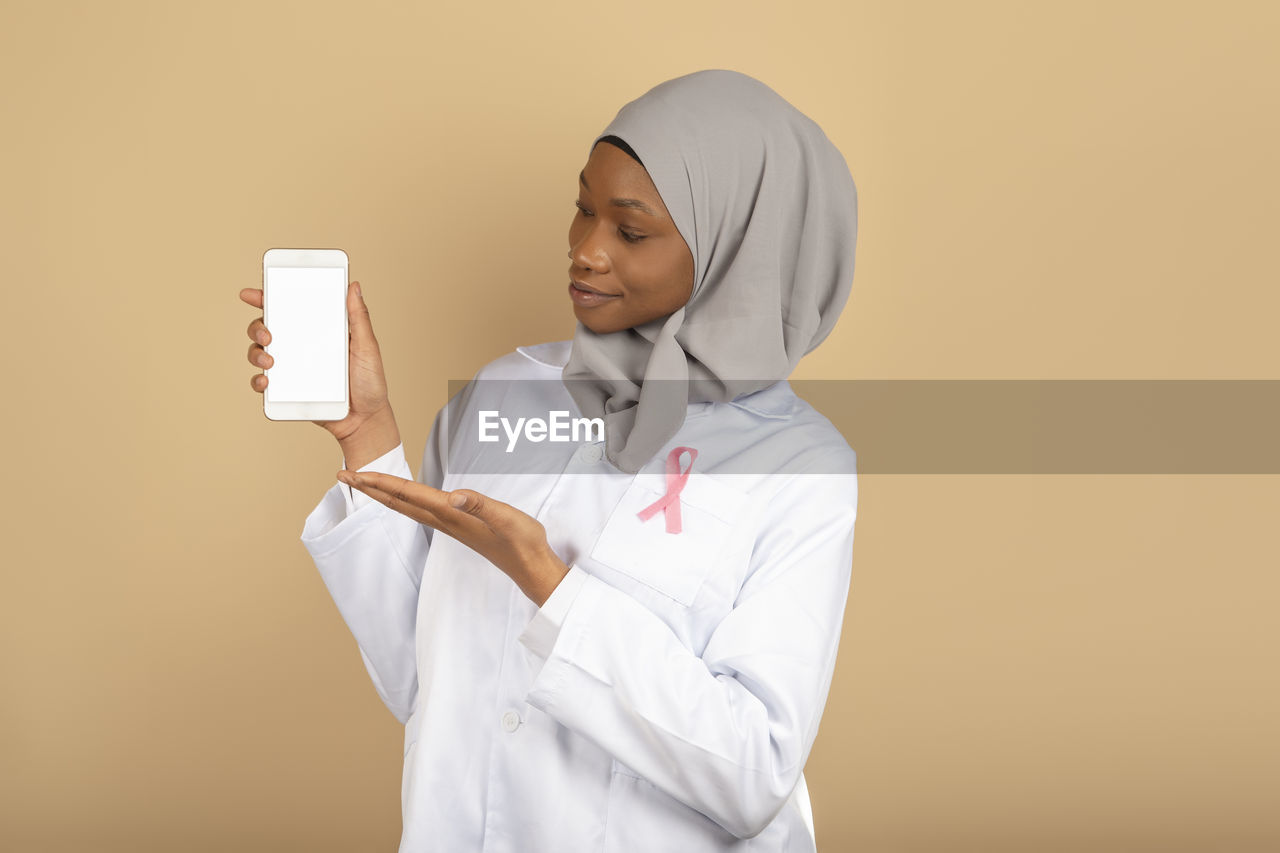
<point>304,307</point>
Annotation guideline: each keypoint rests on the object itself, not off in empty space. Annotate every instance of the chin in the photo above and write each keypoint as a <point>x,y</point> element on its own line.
<point>595,323</point>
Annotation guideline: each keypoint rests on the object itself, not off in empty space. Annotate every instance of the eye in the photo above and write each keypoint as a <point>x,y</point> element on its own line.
<point>626,235</point>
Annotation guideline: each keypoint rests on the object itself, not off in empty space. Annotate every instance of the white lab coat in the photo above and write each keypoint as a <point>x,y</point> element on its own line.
<point>667,694</point>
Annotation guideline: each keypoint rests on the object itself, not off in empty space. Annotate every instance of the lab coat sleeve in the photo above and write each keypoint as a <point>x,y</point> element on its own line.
<point>727,733</point>
<point>391,462</point>
<point>541,633</point>
<point>371,560</point>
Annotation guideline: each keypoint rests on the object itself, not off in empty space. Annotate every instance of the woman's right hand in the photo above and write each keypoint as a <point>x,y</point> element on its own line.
<point>370,426</point>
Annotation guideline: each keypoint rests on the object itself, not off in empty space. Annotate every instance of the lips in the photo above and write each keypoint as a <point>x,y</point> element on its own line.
<point>580,286</point>
<point>588,297</point>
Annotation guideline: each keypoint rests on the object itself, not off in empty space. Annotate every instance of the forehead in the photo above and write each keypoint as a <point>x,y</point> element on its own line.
<point>611,169</point>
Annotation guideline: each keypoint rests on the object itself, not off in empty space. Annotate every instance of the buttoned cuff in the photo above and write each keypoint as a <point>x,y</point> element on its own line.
<point>542,631</point>
<point>391,462</point>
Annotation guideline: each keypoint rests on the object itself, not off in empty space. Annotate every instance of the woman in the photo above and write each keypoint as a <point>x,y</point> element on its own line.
<point>647,666</point>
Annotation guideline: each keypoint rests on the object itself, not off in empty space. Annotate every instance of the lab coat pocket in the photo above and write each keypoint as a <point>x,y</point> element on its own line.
<point>673,564</point>
<point>642,817</point>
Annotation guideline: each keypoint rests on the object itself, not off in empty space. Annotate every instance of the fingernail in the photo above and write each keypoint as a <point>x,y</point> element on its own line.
<point>457,499</point>
<point>357,287</point>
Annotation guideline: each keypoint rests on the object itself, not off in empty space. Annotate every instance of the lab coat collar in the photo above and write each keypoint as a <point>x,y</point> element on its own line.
<point>776,401</point>
<point>553,354</point>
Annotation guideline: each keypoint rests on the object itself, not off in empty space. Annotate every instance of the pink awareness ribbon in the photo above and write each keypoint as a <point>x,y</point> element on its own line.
<point>676,479</point>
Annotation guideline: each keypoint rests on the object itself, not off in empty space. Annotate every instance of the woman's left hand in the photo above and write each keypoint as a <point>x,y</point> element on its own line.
<point>512,540</point>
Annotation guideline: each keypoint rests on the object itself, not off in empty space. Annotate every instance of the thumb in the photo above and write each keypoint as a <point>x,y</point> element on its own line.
<point>358,317</point>
<point>468,501</point>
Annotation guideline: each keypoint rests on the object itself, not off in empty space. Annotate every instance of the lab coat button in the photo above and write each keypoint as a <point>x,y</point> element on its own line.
<point>590,453</point>
<point>510,721</point>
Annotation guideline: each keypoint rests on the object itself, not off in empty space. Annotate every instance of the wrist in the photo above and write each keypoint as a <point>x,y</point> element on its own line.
<point>376,436</point>
<point>545,575</point>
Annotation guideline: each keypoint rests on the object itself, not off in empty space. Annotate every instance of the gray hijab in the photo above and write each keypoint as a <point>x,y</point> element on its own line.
<point>768,208</point>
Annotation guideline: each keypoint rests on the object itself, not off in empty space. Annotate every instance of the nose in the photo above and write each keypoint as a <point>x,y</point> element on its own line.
<point>587,253</point>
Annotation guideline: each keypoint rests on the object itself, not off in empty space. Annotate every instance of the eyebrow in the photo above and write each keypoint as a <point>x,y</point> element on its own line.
<point>634,203</point>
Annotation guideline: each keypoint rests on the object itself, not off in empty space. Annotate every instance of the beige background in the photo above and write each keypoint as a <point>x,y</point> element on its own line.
<point>1047,190</point>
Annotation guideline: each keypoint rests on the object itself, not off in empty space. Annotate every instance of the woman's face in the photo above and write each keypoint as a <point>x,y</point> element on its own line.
<point>630,264</point>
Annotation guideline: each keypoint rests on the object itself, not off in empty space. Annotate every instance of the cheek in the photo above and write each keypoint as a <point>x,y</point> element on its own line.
<point>675,286</point>
<point>686,264</point>
<point>686,281</point>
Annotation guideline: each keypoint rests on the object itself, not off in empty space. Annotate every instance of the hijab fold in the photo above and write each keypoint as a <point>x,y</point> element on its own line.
<point>768,207</point>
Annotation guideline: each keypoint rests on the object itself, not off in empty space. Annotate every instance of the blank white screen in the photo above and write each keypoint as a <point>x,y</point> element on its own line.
<point>306,315</point>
